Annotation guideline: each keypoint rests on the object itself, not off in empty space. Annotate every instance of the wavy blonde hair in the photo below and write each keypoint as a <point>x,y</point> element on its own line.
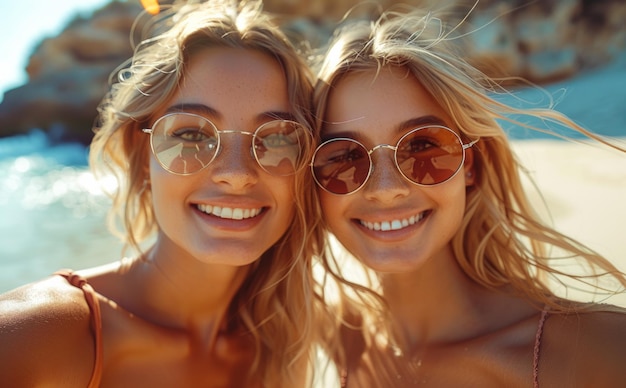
<point>502,244</point>
<point>275,302</point>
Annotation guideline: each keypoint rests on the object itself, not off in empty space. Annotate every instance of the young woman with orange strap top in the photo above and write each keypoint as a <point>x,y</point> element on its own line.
<point>207,131</point>
<point>418,181</point>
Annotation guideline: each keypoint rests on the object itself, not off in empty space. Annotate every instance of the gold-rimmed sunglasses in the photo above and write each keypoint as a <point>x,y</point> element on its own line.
<point>425,156</point>
<point>185,143</point>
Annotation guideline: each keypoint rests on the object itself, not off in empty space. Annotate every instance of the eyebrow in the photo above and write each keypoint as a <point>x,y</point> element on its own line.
<point>402,127</point>
<point>205,110</point>
<point>420,122</point>
<point>200,109</point>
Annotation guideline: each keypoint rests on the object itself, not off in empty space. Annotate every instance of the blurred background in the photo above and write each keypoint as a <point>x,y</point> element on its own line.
<point>58,55</point>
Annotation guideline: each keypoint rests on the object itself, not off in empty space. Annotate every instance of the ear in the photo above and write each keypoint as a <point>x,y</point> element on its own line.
<point>468,167</point>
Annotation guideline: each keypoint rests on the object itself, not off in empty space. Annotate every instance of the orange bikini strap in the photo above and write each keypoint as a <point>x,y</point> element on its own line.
<point>96,321</point>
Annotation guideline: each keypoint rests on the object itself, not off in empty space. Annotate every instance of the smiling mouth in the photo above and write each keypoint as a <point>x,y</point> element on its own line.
<point>229,212</point>
<point>397,224</point>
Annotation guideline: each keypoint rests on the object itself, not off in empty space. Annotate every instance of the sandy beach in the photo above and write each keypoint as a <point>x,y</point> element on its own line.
<point>584,187</point>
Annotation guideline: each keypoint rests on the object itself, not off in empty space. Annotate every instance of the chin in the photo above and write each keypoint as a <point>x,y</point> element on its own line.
<point>389,263</point>
<point>392,266</point>
<point>231,257</point>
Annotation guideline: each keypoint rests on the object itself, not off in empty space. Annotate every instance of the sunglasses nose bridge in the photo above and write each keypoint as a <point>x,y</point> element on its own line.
<point>233,131</point>
<point>222,145</point>
<point>375,166</point>
<point>385,182</point>
<point>380,146</point>
<point>388,146</point>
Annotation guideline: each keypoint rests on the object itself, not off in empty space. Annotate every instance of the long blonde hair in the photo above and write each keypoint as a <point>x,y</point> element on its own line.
<point>275,301</point>
<point>502,244</point>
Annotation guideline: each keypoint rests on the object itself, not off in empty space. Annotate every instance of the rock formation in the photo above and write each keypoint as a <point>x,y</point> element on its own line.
<point>541,41</point>
<point>68,75</point>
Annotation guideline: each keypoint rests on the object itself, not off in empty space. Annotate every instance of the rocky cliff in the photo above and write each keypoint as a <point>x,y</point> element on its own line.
<point>541,41</point>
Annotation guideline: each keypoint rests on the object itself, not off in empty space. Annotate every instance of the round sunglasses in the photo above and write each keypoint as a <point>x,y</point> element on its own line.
<point>426,156</point>
<point>185,143</point>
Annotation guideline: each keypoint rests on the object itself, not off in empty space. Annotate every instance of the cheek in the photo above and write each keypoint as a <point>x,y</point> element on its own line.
<point>451,198</point>
<point>332,206</point>
<point>282,193</point>
<point>166,189</point>
<point>285,194</point>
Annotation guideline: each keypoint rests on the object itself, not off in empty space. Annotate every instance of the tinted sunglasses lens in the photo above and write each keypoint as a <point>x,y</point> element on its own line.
<point>184,143</point>
<point>429,156</point>
<point>341,166</point>
<point>279,147</point>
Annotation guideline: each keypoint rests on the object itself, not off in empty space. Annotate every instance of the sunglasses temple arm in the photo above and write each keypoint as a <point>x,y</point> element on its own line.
<point>468,145</point>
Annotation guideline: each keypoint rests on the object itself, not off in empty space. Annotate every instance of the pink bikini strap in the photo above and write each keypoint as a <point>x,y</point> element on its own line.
<point>96,321</point>
<point>542,321</point>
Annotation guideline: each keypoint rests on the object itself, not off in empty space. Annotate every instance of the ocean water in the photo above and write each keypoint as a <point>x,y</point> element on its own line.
<point>52,211</point>
<point>595,99</point>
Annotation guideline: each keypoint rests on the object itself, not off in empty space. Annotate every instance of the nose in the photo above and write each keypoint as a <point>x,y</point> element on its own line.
<point>235,165</point>
<point>385,183</point>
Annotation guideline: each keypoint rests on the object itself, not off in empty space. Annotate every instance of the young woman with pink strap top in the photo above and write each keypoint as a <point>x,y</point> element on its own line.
<point>207,131</point>
<point>417,180</point>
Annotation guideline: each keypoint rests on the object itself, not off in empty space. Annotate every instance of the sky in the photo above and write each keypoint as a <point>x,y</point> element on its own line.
<point>24,23</point>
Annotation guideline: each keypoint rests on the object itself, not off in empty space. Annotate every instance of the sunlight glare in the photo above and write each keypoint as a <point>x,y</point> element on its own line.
<point>152,6</point>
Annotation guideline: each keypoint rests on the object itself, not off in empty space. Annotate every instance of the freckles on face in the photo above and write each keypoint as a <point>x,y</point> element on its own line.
<point>390,223</point>
<point>231,211</point>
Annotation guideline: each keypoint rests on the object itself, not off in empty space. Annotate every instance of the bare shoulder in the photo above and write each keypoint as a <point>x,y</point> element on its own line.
<point>44,328</point>
<point>592,343</point>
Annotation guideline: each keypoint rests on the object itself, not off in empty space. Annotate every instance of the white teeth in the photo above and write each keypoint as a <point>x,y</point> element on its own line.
<point>393,224</point>
<point>227,212</point>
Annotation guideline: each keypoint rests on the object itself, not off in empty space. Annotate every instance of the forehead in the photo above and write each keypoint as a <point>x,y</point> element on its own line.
<point>381,99</point>
<point>232,80</point>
